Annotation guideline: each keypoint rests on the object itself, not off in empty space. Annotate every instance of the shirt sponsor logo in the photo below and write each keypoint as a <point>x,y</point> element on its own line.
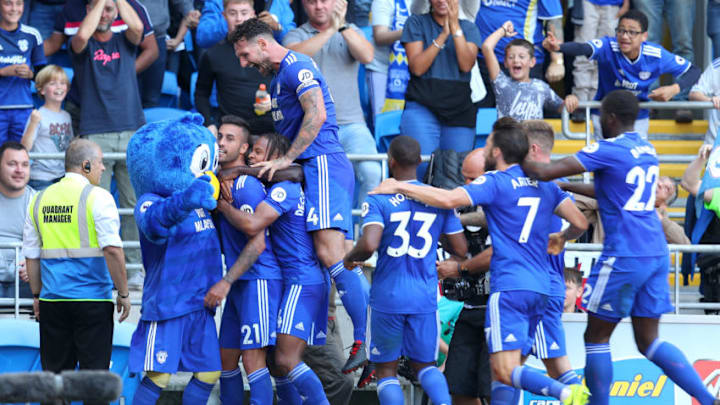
<point>305,75</point>
<point>13,60</point>
<point>101,56</point>
<point>499,3</point>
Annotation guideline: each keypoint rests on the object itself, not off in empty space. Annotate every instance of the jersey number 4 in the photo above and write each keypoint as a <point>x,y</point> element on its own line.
<point>403,217</point>
<point>640,179</point>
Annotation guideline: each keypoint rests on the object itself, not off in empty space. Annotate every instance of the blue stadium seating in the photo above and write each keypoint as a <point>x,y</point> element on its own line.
<point>387,127</point>
<point>170,94</point>
<point>486,117</point>
<point>162,113</point>
<point>20,351</point>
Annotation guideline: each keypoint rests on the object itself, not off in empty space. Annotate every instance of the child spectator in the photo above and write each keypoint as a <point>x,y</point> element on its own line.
<point>20,50</point>
<point>573,289</point>
<point>49,129</point>
<point>518,96</point>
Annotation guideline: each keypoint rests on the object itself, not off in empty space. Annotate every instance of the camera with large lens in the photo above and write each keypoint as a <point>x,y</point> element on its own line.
<point>465,288</point>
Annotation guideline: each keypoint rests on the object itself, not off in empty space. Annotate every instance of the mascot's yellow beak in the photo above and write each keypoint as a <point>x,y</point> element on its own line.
<point>215,183</point>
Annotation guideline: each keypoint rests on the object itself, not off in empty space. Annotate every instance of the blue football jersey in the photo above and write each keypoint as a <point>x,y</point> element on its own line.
<point>296,75</point>
<point>626,173</point>
<point>557,262</point>
<point>292,244</point>
<point>616,71</point>
<point>519,213</point>
<point>180,270</point>
<point>526,16</point>
<point>405,279</point>
<point>22,46</point>
<point>247,193</point>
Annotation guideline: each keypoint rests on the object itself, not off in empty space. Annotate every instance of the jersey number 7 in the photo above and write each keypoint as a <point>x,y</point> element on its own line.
<point>403,217</point>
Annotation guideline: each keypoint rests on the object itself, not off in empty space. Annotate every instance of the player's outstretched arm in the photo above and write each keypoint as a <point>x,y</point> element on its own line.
<point>365,246</point>
<point>293,173</point>
<point>578,225</point>
<point>568,166</point>
<point>248,257</point>
<point>586,189</point>
<point>249,224</point>
<point>436,197</point>
<point>488,47</point>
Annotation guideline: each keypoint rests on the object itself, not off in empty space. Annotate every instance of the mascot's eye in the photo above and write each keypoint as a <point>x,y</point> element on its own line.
<point>200,160</point>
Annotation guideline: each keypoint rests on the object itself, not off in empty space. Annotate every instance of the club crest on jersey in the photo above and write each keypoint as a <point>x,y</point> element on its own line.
<point>278,194</point>
<point>161,356</point>
<point>23,45</point>
<point>480,180</point>
<point>145,206</point>
<point>305,75</point>
<point>591,148</point>
<point>644,75</point>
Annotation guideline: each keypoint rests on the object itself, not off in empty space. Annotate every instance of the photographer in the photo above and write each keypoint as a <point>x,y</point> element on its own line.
<point>467,367</point>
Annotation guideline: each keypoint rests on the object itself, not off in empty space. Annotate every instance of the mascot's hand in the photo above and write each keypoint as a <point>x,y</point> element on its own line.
<point>199,195</point>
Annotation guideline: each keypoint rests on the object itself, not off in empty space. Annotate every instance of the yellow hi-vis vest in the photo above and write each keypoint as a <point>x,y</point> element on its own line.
<point>72,264</point>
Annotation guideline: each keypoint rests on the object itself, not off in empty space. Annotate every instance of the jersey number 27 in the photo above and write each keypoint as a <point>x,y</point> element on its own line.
<point>403,217</point>
<point>638,177</point>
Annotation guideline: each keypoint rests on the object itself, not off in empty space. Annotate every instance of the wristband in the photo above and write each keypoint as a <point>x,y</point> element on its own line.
<point>123,296</point>
<point>438,45</point>
<point>343,28</point>
<point>227,279</point>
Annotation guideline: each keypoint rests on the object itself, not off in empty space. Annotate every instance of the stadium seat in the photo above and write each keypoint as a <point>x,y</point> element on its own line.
<point>122,335</point>
<point>170,94</point>
<point>486,117</point>
<point>193,85</point>
<point>162,113</point>
<point>387,127</point>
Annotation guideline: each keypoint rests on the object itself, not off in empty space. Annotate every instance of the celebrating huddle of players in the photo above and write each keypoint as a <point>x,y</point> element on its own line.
<point>284,241</point>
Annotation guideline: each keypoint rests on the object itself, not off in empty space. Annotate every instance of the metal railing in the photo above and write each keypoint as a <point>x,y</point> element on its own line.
<point>658,105</point>
<point>570,247</point>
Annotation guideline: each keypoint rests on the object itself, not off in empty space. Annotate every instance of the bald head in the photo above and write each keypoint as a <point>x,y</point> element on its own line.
<point>474,165</point>
<point>79,151</point>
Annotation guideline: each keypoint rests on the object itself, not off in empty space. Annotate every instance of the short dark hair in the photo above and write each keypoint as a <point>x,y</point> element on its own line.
<point>10,145</point>
<point>250,30</point>
<point>623,104</point>
<point>540,132</point>
<point>521,43</point>
<point>235,120</point>
<point>511,139</point>
<point>638,16</point>
<point>405,150</point>
<point>276,143</point>
<point>573,275</point>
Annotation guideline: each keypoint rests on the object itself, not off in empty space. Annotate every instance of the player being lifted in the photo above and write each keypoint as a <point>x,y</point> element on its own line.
<point>630,278</point>
<point>304,112</point>
<point>403,295</point>
<point>253,284</point>
<point>304,304</point>
<point>518,212</point>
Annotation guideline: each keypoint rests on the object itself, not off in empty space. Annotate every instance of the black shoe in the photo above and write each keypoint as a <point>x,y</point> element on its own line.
<point>683,116</point>
<point>357,359</point>
<point>368,374</point>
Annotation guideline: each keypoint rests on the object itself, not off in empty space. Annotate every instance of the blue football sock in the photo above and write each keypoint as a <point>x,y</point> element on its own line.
<point>673,362</point>
<point>232,389</point>
<point>530,380</point>
<point>502,394</point>
<point>570,377</point>
<point>286,392</point>
<point>435,385</point>
<point>389,391</point>
<point>598,372</point>
<point>196,392</point>
<point>352,293</point>
<point>308,385</point>
<point>147,392</point>
<point>261,392</point>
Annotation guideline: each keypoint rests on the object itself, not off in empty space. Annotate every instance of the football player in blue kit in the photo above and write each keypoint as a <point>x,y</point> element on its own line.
<point>628,62</point>
<point>403,295</point>
<point>302,318</point>
<point>630,278</point>
<point>304,112</point>
<point>518,212</point>
<point>252,285</point>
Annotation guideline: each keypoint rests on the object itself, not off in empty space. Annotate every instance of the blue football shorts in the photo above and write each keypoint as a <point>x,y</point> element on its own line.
<point>250,317</point>
<point>628,286</point>
<point>185,343</point>
<point>412,335</point>
<point>549,341</point>
<point>329,187</point>
<point>304,312</point>
<point>511,319</point>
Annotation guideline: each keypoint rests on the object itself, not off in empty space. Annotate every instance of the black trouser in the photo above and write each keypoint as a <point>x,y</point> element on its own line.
<point>467,367</point>
<point>75,332</point>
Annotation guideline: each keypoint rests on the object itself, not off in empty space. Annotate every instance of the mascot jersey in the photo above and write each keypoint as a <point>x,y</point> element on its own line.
<point>247,193</point>
<point>180,269</point>
<point>292,244</point>
<point>296,75</point>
